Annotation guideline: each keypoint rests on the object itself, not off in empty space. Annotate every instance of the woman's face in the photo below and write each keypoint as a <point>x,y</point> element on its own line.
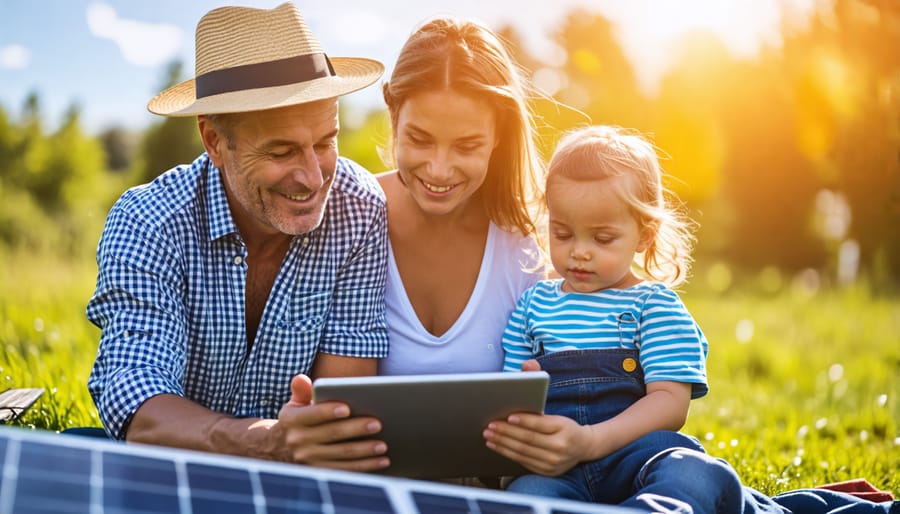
<point>444,142</point>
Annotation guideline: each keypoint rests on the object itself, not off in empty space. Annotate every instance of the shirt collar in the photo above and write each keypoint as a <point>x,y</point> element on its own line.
<point>218,212</point>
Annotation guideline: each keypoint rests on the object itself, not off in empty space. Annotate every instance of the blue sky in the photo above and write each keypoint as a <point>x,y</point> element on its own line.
<point>110,56</point>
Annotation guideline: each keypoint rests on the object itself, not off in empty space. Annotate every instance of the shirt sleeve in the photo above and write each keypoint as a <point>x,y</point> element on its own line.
<point>517,343</point>
<point>673,348</point>
<point>356,326</point>
<point>138,306</point>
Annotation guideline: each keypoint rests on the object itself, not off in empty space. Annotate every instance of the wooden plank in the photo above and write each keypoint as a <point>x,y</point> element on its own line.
<point>13,402</point>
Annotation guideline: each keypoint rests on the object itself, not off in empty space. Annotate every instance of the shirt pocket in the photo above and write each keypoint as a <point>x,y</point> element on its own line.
<point>292,345</point>
<point>306,312</point>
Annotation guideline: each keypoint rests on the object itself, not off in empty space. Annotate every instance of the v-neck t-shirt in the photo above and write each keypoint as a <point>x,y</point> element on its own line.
<point>473,342</point>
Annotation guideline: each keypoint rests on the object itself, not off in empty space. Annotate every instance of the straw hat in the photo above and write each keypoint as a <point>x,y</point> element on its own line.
<point>254,59</point>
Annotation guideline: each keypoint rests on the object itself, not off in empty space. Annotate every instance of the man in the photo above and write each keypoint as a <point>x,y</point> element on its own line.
<point>224,283</point>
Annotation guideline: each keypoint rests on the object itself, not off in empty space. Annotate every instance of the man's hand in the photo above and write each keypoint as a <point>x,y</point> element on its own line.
<point>324,435</point>
<point>317,435</point>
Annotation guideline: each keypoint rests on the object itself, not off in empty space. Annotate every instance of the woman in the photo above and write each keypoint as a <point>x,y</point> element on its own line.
<point>461,232</point>
<point>462,228</point>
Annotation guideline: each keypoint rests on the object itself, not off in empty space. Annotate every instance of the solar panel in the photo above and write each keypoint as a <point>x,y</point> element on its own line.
<point>43,472</point>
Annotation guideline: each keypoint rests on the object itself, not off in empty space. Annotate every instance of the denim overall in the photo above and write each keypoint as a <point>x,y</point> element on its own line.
<point>591,386</point>
<point>662,471</point>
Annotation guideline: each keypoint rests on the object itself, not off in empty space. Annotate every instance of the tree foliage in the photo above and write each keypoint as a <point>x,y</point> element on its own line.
<point>170,141</point>
<point>749,144</point>
<point>53,184</point>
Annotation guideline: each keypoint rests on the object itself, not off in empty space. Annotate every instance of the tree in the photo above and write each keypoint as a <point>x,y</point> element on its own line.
<point>844,71</point>
<point>119,146</point>
<point>170,142</point>
<point>596,82</point>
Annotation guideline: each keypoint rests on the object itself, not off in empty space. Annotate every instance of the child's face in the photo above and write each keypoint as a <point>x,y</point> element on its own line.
<point>593,235</point>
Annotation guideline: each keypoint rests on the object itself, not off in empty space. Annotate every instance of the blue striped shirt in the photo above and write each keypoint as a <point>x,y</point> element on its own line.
<point>648,317</point>
<point>170,296</point>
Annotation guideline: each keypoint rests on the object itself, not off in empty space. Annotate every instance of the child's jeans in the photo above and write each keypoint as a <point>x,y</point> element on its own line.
<point>661,471</point>
<point>591,386</point>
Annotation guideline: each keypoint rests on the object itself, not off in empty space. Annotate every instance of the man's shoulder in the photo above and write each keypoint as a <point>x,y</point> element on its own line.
<point>354,181</point>
<point>167,195</point>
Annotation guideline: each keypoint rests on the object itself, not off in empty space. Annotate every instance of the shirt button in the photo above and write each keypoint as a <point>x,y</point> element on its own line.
<point>237,259</point>
<point>264,403</point>
<point>305,241</point>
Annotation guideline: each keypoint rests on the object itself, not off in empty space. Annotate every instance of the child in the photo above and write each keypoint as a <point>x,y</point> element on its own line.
<point>625,357</point>
<point>624,354</point>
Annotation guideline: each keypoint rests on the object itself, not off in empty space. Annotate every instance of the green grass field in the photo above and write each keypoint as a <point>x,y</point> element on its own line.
<point>804,386</point>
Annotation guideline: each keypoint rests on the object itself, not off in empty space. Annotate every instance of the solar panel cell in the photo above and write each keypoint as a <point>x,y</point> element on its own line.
<point>138,472</point>
<point>202,504</point>
<point>441,504</point>
<point>55,460</point>
<point>118,500</point>
<point>138,484</point>
<point>36,493</point>
<point>52,479</point>
<point>350,498</point>
<point>215,489</point>
<point>289,492</point>
<point>495,507</point>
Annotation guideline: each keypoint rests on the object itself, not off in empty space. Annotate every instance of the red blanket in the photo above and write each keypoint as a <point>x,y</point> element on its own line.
<point>861,488</point>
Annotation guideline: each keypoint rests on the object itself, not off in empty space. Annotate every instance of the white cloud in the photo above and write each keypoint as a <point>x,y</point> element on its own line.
<point>360,27</point>
<point>14,57</point>
<point>142,44</point>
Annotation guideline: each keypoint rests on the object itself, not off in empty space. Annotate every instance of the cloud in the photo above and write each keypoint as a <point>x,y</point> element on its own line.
<point>142,44</point>
<point>359,27</point>
<point>14,57</point>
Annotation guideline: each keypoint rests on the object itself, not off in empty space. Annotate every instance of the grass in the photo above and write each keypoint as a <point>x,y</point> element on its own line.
<point>804,387</point>
<point>804,384</point>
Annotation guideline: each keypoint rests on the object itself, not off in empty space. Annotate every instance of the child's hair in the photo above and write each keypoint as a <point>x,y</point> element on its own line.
<point>466,57</point>
<point>598,152</point>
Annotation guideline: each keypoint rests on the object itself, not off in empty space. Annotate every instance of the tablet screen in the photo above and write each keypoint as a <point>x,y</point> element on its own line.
<point>433,424</point>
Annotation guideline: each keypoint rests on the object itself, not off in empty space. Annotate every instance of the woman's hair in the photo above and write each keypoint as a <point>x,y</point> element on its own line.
<point>468,58</point>
<point>599,152</point>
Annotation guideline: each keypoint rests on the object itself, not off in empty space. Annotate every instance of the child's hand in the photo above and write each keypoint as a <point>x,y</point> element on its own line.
<point>547,445</point>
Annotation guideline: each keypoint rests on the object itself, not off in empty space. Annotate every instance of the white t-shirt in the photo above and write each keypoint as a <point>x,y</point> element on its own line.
<point>473,343</point>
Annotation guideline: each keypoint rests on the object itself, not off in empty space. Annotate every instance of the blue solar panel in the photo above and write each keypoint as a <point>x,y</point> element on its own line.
<point>43,472</point>
<point>138,484</point>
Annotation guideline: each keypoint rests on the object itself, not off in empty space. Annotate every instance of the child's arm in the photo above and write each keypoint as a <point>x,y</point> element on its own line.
<point>551,445</point>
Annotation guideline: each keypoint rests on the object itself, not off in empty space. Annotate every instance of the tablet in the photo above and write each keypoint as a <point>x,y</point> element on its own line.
<point>433,424</point>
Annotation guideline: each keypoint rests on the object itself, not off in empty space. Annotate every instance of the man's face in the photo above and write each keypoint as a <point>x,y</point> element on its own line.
<point>278,166</point>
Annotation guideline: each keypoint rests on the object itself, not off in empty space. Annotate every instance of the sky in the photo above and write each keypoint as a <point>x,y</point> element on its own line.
<point>110,56</point>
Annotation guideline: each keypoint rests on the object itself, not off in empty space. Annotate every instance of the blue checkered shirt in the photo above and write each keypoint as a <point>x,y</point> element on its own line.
<point>170,296</point>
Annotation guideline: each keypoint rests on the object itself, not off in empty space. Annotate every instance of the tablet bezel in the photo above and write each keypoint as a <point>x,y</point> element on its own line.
<point>433,424</point>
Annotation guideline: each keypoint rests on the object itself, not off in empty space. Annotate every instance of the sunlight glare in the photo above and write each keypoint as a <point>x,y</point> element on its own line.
<point>835,372</point>
<point>743,331</point>
<point>744,26</point>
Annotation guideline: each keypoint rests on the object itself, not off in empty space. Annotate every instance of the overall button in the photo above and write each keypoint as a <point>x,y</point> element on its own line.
<point>629,364</point>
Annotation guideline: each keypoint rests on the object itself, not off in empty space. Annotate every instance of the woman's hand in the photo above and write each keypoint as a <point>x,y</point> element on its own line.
<point>547,445</point>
